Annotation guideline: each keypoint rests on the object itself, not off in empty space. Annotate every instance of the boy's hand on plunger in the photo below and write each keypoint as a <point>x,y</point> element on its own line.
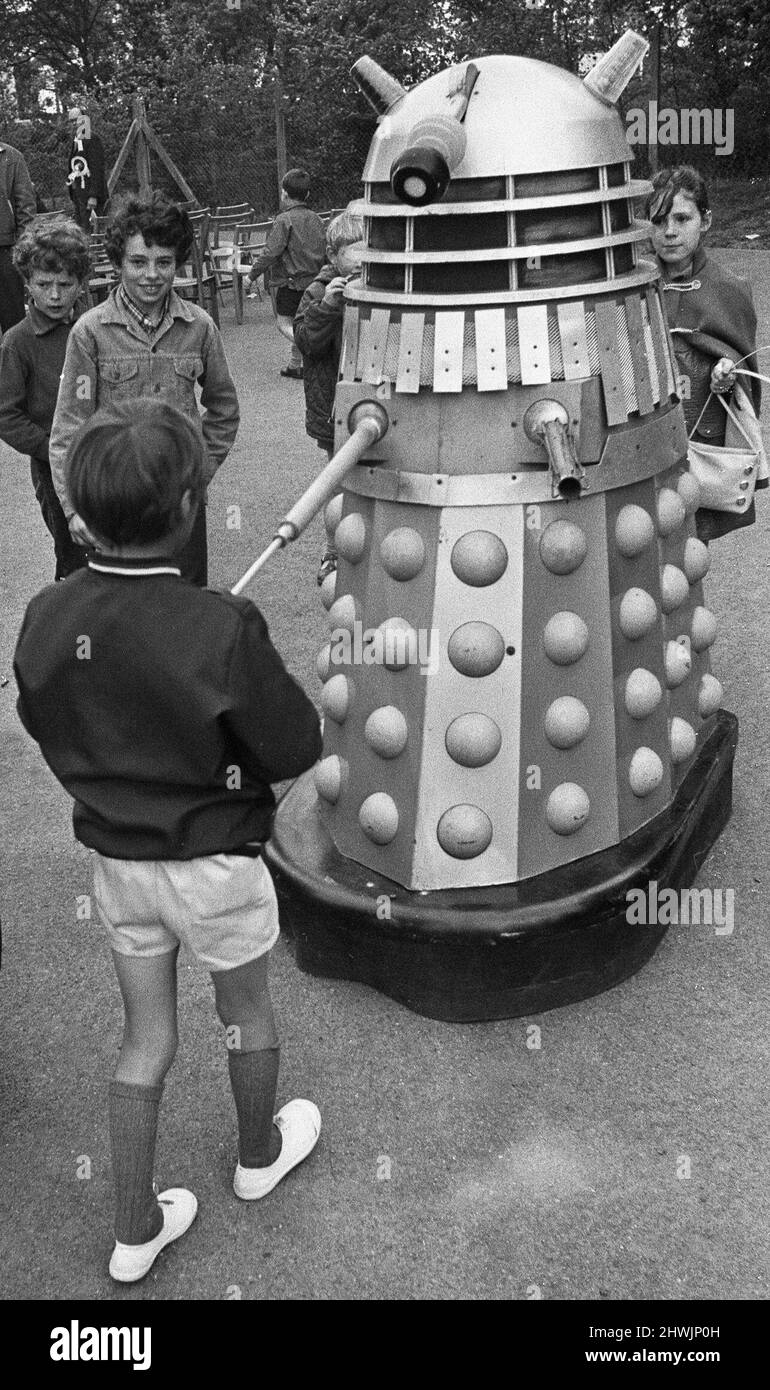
<point>335,291</point>
<point>723,376</point>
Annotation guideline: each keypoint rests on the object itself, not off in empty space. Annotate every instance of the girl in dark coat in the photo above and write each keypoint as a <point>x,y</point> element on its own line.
<point>711,317</point>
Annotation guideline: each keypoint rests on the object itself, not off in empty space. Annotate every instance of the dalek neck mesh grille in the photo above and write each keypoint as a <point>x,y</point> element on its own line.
<point>573,227</point>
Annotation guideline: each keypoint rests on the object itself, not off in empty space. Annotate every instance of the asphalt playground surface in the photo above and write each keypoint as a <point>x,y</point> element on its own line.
<point>455,1161</point>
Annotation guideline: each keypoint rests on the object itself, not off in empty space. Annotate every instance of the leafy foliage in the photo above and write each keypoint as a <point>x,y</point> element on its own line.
<point>208,73</point>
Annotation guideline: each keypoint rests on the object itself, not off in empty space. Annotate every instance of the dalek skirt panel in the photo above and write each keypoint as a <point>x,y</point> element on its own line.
<point>521,723</point>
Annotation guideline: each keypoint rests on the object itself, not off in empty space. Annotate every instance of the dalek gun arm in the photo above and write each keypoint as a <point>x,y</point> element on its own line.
<point>547,423</point>
<point>367,422</point>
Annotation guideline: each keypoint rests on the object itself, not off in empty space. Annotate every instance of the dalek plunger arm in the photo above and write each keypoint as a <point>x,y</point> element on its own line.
<point>368,422</point>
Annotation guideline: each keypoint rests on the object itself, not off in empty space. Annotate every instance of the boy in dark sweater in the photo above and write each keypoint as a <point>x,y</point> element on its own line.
<point>52,257</point>
<point>166,712</point>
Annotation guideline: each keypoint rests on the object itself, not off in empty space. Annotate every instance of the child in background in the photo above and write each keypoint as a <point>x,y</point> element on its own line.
<point>318,333</point>
<point>711,317</point>
<point>52,257</point>
<point>293,253</point>
<point>167,730</point>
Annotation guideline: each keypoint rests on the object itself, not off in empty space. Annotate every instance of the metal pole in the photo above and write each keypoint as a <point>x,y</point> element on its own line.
<point>652,147</point>
<point>142,150</point>
<point>367,431</point>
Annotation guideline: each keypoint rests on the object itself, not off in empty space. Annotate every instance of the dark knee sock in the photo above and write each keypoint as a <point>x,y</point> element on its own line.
<point>254,1078</point>
<point>133,1131</point>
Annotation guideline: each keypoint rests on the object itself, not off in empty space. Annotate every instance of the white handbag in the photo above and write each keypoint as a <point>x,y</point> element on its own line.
<point>727,473</point>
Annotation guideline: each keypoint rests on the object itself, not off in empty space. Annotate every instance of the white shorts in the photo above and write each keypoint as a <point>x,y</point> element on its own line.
<point>222,906</point>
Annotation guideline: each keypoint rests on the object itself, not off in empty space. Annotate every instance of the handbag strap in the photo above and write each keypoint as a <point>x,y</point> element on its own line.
<point>730,412</point>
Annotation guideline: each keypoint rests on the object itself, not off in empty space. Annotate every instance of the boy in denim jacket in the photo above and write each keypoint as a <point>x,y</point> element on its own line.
<point>146,342</point>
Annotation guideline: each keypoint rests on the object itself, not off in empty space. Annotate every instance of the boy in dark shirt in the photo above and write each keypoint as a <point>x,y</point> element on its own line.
<point>166,712</point>
<point>52,258</point>
<point>293,254</point>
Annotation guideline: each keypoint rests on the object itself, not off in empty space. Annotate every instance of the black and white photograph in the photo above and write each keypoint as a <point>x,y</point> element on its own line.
<point>384,667</point>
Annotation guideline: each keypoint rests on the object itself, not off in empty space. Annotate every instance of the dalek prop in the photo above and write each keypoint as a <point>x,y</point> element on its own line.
<point>520,721</point>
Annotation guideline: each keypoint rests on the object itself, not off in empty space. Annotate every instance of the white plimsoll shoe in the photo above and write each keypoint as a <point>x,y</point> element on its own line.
<point>131,1262</point>
<point>300,1124</point>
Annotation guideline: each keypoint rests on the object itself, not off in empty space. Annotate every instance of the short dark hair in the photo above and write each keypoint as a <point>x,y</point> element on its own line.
<point>128,469</point>
<point>296,182</point>
<point>680,178</point>
<point>55,244</point>
<point>156,218</point>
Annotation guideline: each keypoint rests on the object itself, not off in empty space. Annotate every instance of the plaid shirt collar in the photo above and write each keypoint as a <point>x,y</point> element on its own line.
<point>133,309</point>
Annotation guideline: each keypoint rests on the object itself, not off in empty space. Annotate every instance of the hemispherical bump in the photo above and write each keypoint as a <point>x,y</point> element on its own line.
<point>476,649</point>
<point>323,662</point>
<point>643,693</point>
<point>697,559</point>
<point>473,740</point>
<point>350,537</point>
<point>645,773</point>
<point>671,511</point>
<point>402,553</point>
<point>563,547</point>
<point>565,638</point>
<point>633,530</point>
<point>342,613</point>
<point>709,695</point>
<point>568,808</point>
<point>378,818</point>
<point>638,614</point>
<point>333,513</point>
<point>479,558</point>
<point>674,588</point>
<point>566,722</point>
<point>336,697</point>
<point>328,589</point>
<point>678,664</point>
<point>682,739</point>
<point>327,776</point>
<point>688,488</point>
<point>386,731</point>
<point>703,630</point>
<point>396,644</point>
<point>464,831</point>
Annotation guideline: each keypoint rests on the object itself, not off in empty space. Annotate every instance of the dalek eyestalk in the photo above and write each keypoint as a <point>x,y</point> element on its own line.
<point>421,174</point>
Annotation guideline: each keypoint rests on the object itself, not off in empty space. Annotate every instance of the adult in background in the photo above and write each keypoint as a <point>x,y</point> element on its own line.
<point>86,177</point>
<point>17,208</point>
<point>294,252</point>
<point>144,342</point>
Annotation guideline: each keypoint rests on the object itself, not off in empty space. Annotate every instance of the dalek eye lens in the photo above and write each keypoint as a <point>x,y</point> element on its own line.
<point>419,175</point>
<point>415,187</point>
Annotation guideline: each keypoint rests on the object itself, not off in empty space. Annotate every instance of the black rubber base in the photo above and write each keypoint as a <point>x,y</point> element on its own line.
<point>504,951</point>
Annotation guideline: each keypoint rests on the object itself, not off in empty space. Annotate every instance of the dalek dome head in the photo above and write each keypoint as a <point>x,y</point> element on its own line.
<point>523,117</point>
<point>502,177</point>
